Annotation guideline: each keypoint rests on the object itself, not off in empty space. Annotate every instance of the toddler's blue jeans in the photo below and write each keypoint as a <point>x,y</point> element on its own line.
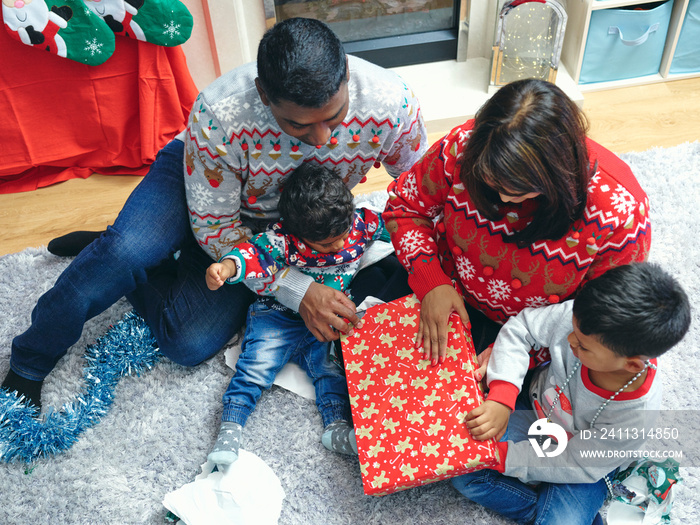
<point>272,339</point>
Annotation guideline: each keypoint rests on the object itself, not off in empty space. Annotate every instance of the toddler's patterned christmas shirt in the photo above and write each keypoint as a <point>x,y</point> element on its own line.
<point>276,250</point>
<point>237,157</point>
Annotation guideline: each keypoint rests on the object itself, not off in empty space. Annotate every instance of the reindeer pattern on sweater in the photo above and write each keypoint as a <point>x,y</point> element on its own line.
<point>441,238</point>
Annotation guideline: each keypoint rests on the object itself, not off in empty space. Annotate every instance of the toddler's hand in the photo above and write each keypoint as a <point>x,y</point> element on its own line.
<point>217,274</point>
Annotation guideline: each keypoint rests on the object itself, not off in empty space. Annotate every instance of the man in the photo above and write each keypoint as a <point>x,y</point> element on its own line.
<point>304,102</point>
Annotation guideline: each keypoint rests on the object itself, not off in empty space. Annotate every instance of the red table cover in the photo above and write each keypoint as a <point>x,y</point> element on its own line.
<point>409,415</point>
<point>61,119</point>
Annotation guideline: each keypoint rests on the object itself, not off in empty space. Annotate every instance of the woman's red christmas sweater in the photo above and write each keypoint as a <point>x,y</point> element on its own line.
<point>441,238</point>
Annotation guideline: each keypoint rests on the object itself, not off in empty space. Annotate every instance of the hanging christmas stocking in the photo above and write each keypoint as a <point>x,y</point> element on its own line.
<point>161,22</point>
<point>62,27</point>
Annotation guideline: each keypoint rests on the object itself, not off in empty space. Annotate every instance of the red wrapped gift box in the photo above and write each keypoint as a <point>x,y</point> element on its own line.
<point>409,415</point>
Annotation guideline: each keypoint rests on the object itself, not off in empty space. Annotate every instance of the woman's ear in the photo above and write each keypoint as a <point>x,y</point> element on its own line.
<point>261,92</point>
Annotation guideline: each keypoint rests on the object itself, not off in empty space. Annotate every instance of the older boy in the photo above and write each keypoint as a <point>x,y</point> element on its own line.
<point>602,376</point>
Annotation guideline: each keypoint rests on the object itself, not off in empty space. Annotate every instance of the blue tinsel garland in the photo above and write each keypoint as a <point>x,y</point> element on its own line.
<point>127,348</point>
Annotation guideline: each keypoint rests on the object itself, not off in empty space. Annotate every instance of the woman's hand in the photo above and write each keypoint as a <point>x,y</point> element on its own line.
<point>435,310</point>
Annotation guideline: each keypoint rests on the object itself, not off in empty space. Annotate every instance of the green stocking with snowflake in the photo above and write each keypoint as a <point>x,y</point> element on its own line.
<point>160,22</point>
<point>63,27</point>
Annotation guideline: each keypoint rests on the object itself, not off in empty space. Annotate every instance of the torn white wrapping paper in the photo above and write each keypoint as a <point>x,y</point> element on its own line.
<point>620,513</point>
<point>247,493</point>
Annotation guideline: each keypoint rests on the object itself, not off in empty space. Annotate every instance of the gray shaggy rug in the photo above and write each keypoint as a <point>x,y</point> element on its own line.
<point>163,423</point>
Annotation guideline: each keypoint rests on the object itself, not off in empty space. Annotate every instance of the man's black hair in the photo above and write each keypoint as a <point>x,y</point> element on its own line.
<point>301,60</point>
<point>316,204</point>
<point>635,309</point>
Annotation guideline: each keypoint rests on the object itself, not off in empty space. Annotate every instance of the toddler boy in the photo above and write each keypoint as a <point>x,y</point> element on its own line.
<point>322,234</point>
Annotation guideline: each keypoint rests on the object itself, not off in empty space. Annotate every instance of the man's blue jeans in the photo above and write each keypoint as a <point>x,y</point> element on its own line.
<point>272,339</point>
<point>134,258</point>
<point>541,504</point>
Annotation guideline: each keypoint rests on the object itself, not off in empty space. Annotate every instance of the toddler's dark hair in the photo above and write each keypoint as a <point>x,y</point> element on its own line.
<point>635,309</point>
<point>315,203</point>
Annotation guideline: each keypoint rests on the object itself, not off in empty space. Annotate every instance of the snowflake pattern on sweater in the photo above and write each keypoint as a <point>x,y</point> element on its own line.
<point>275,250</point>
<point>441,238</point>
<point>237,157</point>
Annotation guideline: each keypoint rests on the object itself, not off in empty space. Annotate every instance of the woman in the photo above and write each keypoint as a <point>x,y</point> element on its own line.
<point>515,208</point>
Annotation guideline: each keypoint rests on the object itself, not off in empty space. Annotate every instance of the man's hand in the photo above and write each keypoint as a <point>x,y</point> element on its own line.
<point>490,419</point>
<point>325,309</point>
<point>435,310</point>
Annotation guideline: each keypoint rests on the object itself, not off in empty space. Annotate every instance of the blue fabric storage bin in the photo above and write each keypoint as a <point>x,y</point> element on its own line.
<point>686,58</point>
<point>625,43</point>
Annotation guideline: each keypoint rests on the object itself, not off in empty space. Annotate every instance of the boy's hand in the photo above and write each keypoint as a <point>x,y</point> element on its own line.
<point>435,310</point>
<point>488,420</point>
<point>483,360</point>
<point>217,274</point>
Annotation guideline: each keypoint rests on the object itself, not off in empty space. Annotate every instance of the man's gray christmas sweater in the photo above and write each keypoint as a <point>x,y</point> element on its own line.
<point>236,155</point>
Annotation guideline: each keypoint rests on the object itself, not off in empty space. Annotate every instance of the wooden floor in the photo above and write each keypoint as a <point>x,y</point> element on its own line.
<point>624,120</point>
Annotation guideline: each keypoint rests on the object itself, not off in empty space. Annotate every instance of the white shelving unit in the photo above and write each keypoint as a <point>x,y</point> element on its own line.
<point>579,12</point>
<point>450,92</point>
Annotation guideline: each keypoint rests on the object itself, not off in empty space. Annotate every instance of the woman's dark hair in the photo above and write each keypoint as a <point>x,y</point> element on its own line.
<point>635,309</point>
<point>301,60</point>
<point>315,203</point>
<point>529,137</point>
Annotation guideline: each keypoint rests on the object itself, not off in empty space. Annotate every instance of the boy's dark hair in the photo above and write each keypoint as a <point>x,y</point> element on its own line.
<point>315,203</point>
<point>301,60</point>
<point>635,309</point>
<point>529,137</point>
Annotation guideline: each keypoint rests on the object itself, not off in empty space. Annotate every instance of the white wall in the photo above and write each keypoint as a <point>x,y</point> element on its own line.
<point>225,35</point>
